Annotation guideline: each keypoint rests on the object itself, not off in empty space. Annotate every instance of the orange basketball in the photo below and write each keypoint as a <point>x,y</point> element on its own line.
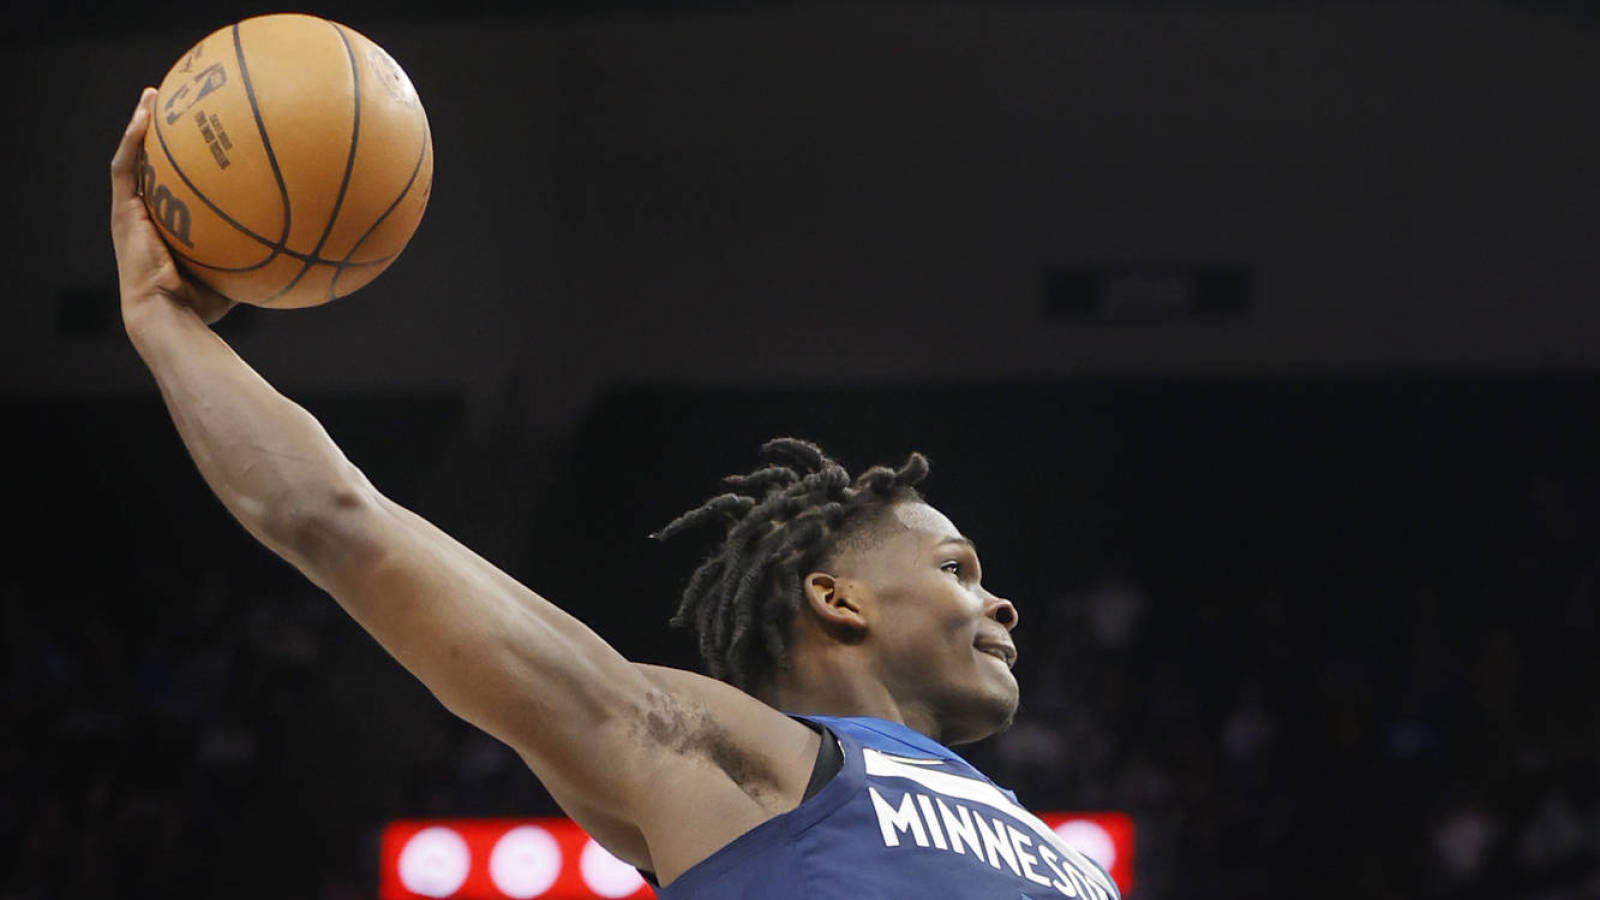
<point>288,161</point>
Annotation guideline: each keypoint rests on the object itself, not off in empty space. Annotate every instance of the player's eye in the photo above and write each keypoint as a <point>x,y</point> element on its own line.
<point>953,567</point>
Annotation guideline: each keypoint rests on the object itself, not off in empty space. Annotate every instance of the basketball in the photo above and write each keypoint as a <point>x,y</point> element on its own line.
<point>288,161</point>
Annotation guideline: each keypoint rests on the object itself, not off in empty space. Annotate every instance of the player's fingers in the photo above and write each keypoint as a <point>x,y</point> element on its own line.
<point>125,162</point>
<point>143,263</point>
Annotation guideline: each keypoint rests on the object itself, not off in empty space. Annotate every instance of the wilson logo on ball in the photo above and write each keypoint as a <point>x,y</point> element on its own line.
<point>166,209</point>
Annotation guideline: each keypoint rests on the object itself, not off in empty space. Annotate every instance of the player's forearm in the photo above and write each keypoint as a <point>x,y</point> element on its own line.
<point>268,460</point>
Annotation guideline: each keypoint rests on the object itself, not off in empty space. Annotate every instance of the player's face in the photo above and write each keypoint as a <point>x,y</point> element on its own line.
<point>942,640</point>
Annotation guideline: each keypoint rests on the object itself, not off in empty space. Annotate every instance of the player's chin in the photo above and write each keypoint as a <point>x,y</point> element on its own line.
<point>1007,698</point>
<point>1002,683</point>
<point>990,712</point>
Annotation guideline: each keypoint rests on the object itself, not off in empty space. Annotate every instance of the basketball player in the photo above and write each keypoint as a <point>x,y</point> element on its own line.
<point>846,620</point>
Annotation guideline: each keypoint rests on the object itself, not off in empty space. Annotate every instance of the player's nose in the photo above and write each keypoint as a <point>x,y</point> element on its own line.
<point>1001,610</point>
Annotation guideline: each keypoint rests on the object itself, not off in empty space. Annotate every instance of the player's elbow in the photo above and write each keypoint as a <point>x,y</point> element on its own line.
<point>322,528</point>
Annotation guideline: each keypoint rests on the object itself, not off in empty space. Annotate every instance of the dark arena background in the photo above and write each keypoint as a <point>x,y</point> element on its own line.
<point>1255,343</point>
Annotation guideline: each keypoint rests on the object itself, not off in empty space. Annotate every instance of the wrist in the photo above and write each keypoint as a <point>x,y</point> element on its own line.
<point>146,321</point>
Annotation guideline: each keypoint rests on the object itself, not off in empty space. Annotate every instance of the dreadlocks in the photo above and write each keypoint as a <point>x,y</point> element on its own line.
<point>783,520</point>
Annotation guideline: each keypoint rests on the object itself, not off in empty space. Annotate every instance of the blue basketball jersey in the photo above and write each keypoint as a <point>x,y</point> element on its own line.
<point>905,817</point>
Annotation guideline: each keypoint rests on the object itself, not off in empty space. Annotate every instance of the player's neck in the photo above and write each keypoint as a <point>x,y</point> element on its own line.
<point>830,687</point>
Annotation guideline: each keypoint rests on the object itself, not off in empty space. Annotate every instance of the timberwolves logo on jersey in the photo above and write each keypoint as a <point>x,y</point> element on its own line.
<point>931,804</point>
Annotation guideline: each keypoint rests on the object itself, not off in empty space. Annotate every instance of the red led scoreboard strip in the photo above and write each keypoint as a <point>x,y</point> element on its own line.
<point>552,859</point>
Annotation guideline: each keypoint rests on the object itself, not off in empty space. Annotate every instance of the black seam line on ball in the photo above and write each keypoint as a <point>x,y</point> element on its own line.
<point>266,142</point>
<point>349,164</point>
<point>337,266</point>
<point>422,153</point>
<point>195,262</point>
<point>355,135</point>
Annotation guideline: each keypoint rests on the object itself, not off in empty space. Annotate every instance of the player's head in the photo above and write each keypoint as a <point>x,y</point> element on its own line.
<point>861,572</point>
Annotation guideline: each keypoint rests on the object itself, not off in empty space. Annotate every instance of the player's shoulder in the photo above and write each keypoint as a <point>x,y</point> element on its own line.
<point>716,696</point>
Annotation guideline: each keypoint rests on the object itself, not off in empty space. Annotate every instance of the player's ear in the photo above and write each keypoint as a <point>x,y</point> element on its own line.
<point>837,603</point>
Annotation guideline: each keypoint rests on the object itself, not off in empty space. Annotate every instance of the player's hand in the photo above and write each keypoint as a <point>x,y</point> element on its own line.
<point>146,272</point>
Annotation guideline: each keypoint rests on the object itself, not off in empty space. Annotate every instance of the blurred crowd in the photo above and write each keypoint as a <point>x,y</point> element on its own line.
<point>1433,737</point>
<point>1417,723</point>
<point>138,740</point>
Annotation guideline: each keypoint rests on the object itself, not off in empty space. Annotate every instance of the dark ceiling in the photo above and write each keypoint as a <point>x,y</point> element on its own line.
<point>31,21</point>
<point>58,20</point>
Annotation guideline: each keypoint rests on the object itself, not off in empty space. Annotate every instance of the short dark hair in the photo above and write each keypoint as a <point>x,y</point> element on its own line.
<point>783,520</point>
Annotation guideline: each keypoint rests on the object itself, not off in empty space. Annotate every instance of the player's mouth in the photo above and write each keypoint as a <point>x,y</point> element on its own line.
<point>1003,652</point>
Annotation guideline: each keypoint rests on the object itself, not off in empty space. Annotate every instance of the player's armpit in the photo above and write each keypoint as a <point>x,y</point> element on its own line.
<point>765,752</point>
<point>726,763</point>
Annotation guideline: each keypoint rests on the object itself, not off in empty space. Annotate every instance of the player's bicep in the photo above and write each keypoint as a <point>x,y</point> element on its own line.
<point>490,649</point>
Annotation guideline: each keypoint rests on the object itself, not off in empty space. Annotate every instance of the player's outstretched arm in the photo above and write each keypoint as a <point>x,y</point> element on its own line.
<point>635,756</point>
